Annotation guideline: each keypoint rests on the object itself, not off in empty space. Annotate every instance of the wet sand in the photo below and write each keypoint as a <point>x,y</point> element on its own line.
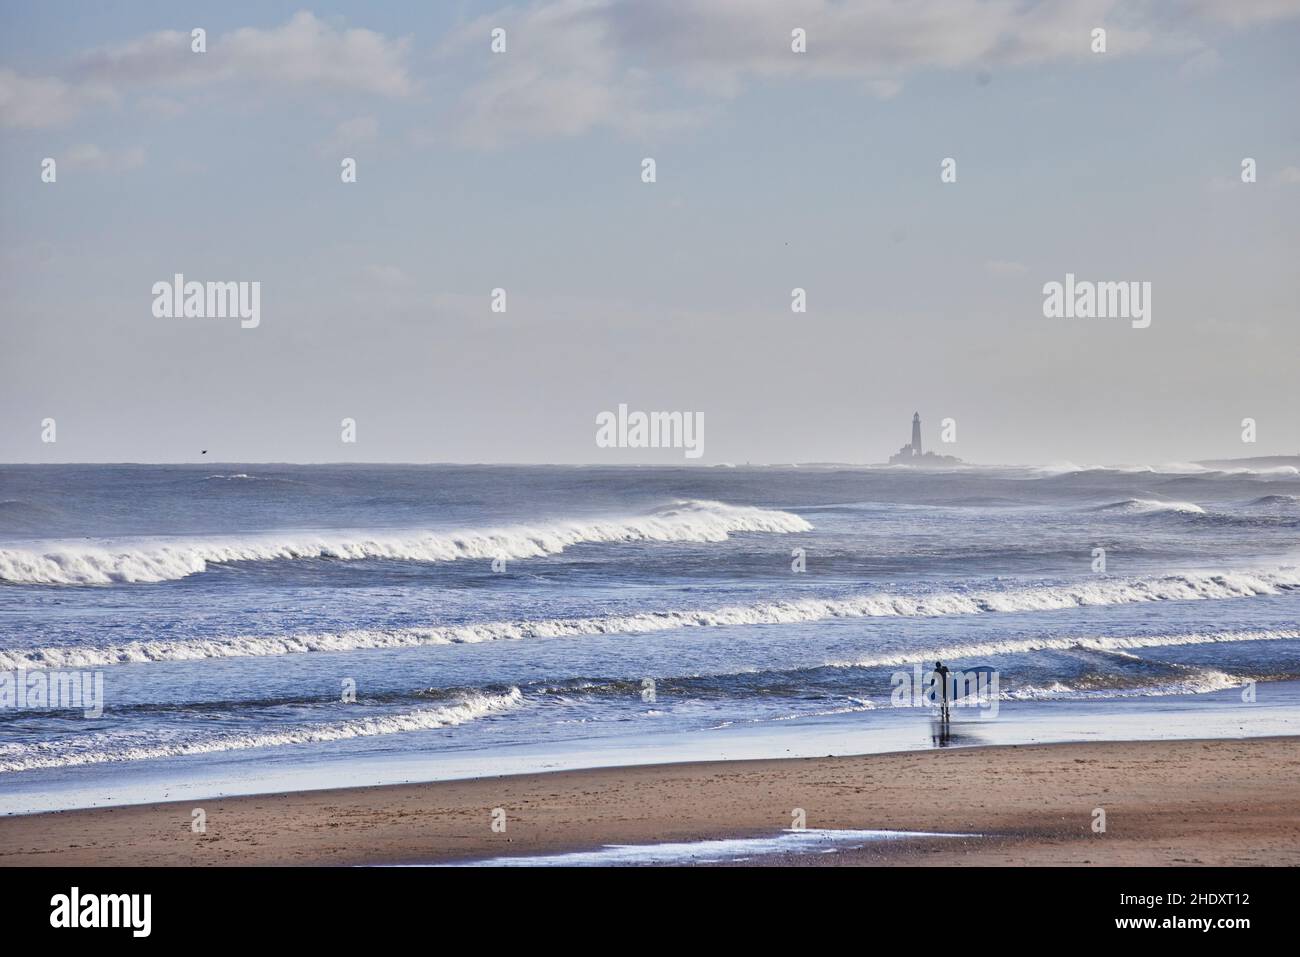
<point>1213,802</point>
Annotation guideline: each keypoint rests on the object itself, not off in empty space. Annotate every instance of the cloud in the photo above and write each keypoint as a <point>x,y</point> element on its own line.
<point>39,102</point>
<point>872,39</point>
<point>564,72</point>
<point>576,65</point>
<point>635,68</point>
<point>304,53</point>
<point>1289,175</point>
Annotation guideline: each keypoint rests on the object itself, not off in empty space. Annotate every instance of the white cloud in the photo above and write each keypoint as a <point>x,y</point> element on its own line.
<point>565,72</point>
<point>576,65</point>
<point>573,65</point>
<point>38,102</point>
<point>634,67</point>
<point>304,53</point>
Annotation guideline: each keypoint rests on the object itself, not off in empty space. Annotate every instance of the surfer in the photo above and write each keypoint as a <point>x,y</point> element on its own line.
<point>941,676</point>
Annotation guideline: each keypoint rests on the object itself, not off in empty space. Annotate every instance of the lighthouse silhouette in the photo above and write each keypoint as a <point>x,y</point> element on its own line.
<point>913,454</point>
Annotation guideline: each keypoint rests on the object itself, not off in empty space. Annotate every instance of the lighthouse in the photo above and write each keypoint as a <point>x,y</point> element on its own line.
<point>912,455</point>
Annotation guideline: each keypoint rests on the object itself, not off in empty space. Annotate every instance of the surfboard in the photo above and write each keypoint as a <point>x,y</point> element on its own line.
<point>969,677</point>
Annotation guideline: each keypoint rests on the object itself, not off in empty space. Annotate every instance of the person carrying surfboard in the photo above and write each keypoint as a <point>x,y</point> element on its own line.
<point>941,676</point>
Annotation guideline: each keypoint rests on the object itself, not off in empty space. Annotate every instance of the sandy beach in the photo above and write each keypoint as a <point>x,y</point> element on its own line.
<point>1212,802</point>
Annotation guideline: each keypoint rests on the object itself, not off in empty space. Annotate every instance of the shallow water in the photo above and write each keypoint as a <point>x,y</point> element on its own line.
<point>566,615</point>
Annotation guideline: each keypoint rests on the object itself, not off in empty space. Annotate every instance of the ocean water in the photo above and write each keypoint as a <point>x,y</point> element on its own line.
<point>484,612</point>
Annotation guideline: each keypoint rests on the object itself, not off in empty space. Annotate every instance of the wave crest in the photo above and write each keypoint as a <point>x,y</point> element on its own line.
<point>683,521</point>
<point>1185,587</point>
<point>1146,506</point>
<point>102,748</point>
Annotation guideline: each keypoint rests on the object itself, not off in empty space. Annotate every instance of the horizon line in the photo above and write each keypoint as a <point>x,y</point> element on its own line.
<point>681,464</point>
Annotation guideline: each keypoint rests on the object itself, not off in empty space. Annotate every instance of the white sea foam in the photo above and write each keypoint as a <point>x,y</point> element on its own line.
<point>76,563</point>
<point>1146,506</point>
<point>105,747</point>
<point>1020,646</point>
<point>1201,682</point>
<point>1283,470</point>
<point>1055,469</point>
<point>1185,587</point>
<point>859,705</point>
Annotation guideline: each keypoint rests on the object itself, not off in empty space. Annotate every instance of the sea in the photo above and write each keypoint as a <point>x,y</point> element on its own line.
<point>256,628</point>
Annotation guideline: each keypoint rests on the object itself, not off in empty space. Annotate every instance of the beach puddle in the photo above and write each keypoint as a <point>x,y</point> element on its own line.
<point>730,850</point>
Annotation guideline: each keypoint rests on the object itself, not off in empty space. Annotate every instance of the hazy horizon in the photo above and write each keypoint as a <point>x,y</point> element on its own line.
<point>1171,465</point>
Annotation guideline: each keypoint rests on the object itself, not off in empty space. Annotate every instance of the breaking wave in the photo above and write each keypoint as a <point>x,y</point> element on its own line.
<point>1202,682</point>
<point>1192,469</point>
<point>1184,587</point>
<point>1020,646</point>
<point>117,746</point>
<point>1143,506</point>
<point>74,563</point>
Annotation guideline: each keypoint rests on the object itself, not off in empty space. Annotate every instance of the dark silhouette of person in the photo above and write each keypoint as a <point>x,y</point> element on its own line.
<point>941,676</point>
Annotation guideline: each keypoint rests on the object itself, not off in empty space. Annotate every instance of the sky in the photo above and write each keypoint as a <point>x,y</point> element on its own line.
<point>522,170</point>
